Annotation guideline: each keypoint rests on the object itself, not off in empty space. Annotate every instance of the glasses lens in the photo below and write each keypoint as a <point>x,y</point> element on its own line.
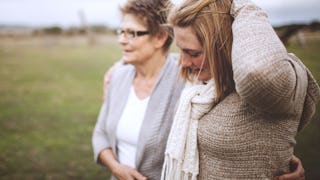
<point>119,32</point>
<point>130,34</point>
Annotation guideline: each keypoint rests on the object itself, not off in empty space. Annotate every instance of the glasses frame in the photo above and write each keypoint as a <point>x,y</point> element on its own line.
<point>131,34</point>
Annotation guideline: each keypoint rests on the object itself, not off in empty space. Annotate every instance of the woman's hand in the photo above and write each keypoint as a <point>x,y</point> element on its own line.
<point>108,76</point>
<point>296,168</point>
<point>124,172</point>
<point>121,171</point>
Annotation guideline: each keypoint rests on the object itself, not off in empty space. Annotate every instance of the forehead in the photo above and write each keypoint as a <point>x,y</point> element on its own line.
<point>130,21</point>
<point>186,38</point>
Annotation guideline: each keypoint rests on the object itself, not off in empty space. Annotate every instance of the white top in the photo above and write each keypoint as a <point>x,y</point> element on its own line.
<point>128,129</point>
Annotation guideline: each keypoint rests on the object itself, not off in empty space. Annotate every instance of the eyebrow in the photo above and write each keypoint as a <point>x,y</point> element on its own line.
<point>191,50</point>
<point>187,50</point>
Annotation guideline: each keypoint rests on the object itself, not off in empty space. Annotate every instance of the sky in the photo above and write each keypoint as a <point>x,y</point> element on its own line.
<point>66,12</point>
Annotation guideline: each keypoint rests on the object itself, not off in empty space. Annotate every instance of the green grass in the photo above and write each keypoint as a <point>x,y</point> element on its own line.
<point>49,100</point>
<point>50,95</point>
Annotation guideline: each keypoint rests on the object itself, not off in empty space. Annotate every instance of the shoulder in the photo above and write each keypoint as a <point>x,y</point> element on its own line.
<point>171,67</point>
<point>121,79</point>
<point>173,59</point>
<point>122,72</point>
<point>170,81</point>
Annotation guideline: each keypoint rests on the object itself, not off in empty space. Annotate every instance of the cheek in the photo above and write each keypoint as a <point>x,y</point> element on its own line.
<point>206,65</point>
<point>198,61</point>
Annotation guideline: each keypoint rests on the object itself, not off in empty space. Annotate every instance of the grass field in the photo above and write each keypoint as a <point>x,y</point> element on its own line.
<point>50,94</point>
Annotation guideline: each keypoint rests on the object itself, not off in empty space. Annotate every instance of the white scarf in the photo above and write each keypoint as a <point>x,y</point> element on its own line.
<point>181,155</point>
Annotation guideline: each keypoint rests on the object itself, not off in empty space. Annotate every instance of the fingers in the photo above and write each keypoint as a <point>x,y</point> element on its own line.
<point>138,176</point>
<point>290,176</point>
<point>106,82</point>
<point>108,76</point>
<point>297,168</point>
<point>125,172</point>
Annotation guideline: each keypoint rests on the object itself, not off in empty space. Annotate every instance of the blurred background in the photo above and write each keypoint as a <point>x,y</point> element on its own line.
<point>53,55</point>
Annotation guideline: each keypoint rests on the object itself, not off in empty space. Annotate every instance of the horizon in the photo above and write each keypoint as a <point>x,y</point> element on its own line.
<point>66,13</point>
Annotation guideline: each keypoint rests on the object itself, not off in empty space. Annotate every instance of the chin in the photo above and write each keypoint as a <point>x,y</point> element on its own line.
<point>204,77</point>
<point>127,60</point>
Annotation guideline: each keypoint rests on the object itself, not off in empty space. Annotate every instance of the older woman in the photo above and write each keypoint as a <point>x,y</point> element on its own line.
<point>247,97</point>
<point>134,122</point>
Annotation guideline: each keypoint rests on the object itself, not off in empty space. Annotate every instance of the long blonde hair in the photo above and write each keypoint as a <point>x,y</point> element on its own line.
<point>212,22</point>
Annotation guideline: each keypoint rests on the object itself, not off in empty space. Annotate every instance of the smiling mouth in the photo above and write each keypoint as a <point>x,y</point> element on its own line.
<point>126,52</point>
<point>196,70</point>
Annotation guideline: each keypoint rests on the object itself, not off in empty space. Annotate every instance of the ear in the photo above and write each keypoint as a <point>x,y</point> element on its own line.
<point>160,39</point>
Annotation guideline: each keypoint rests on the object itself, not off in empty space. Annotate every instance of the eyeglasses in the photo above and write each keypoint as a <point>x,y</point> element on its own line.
<point>131,34</point>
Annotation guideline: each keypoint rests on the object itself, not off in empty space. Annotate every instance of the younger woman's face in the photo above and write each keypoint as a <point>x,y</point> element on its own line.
<point>192,55</point>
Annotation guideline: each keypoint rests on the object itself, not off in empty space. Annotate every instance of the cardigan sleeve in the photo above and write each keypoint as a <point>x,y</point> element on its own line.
<point>104,133</point>
<point>264,74</point>
<point>100,138</point>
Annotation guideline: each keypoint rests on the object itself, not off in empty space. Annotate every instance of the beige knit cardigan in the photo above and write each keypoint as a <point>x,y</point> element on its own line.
<point>251,133</point>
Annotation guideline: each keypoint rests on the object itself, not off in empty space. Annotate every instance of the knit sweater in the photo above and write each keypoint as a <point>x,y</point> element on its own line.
<point>157,121</point>
<point>251,133</point>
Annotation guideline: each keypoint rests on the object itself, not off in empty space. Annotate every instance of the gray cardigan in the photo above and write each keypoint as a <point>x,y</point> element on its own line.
<point>157,121</point>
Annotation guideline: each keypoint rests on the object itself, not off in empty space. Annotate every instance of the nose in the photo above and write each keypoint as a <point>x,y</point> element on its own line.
<point>185,61</point>
<point>122,39</point>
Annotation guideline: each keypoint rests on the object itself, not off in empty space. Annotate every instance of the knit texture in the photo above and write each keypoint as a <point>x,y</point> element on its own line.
<point>251,133</point>
<point>181,155</point>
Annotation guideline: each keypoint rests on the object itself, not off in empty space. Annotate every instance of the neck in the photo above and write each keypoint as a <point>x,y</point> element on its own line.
<point>147,75</point>
<point>152,67</point>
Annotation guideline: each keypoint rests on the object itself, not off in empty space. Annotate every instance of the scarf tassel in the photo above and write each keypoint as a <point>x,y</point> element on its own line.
<point>171,170</point>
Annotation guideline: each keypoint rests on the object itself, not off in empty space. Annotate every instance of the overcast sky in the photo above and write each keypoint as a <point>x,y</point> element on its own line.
<point>66,12</point>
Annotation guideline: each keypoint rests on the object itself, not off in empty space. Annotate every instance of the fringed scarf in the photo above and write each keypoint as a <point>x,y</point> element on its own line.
<point>181,155</point>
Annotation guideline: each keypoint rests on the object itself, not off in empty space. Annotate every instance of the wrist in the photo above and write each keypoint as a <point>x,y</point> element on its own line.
<point>114,167</point>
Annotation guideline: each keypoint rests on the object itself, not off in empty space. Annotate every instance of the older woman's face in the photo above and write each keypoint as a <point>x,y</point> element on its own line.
<point>192,55</point>
<point>136,43</point>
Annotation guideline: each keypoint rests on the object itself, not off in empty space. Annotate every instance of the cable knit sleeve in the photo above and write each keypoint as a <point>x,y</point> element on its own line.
<point>264,75</point>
